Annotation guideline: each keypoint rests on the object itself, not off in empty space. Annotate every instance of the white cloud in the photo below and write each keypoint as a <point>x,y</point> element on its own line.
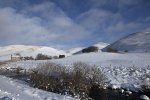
<point>50,25</point>
<point>47,24</point>
<point>121,27</point>
<point>93,19</point>
<point>58,22</point>
<point>107,24</point>
<point>18,28</point>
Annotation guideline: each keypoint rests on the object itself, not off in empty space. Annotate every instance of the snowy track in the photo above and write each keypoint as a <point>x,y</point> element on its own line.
<point>15,90</point>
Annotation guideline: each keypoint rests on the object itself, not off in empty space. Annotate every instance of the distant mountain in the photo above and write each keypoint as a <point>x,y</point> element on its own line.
<point>101,45</point>
<point>136,42</point>
<point>78,50</point>
<point>74,50</point>
<point>28,50</point>
<point>25,50</point>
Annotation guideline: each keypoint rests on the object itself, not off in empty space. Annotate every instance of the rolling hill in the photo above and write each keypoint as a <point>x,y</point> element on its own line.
<point>136,42</point>
<point>26,50</point>
<point>78,50</point>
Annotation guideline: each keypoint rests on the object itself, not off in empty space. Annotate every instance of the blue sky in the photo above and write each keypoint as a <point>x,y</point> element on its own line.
<point>66,24</point>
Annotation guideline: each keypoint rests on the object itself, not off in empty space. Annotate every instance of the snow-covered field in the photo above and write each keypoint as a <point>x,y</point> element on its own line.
<point>129,70</point>
<point>17,90</point>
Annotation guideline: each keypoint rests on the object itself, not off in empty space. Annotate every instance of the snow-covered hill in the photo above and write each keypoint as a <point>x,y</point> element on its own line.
<point>26,50</point>
<point>74,50</point>
<point>136,42</point>
<point>101,45</point>
<point>78,50</point>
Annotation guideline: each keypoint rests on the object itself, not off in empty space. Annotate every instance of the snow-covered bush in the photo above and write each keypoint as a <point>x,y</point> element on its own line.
<point>112,50</point>
<point>76,82</point>
<point>18,70</point>
<point>86,76</point>
<point>146,84</point>
<point>126,51</point>
<point>42,57</point>
<point>61,56</point>
<point>46,75</point>
<point>92,73</point>
<point>50,69</point>
<point>90,49</point>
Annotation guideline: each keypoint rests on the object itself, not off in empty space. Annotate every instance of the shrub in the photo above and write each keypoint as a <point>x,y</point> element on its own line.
<point>85,77</point>
<point>90,49</point>
<point>28,58</point>
<point>91,72</point>
<point>146,84</point>
<point>18,69</point>
<point>50,69</point>
<point>42,57</point>
<point>61,56</point>
<point>112,50</point>
<point>18,54</point>
<point>126,51</point>
<point>76,82</point>
<point>55,57</point>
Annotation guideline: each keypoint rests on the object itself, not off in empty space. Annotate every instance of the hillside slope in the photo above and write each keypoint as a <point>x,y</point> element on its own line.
<point>26,50</point>
<point>74,50</point>
<point>136,42</point>
<point>101,45</point>
<point>78,50</point>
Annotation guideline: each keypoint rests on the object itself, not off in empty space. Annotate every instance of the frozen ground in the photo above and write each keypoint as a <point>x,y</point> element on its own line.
<point>130,70</point>
<point>16,90</point>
